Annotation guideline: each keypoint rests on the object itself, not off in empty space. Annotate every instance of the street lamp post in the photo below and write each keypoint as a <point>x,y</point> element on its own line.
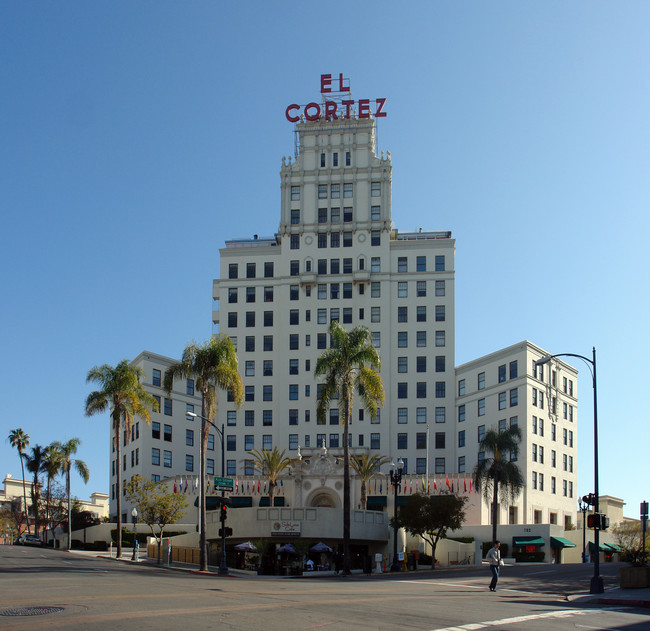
<point>596,586</point>
<point>583,506</point>
<point>223,568</point>
<point>134,514</point>
<point>644,523</point>
<point>395,479</point>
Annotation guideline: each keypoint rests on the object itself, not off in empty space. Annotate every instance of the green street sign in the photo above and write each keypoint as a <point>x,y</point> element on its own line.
<point>224,484</point>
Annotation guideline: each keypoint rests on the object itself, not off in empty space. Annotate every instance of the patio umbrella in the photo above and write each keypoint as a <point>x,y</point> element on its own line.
<point>247,546</point>
<point>321,547</point>
<point>288,548</point>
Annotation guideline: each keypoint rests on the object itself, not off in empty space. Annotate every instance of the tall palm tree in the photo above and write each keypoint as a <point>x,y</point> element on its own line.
<point>122,393</point>
<point>367,467</point>
<point>350,365</point>
<point>52,468</point>
<point>496,475</point>
<point>35,463</point>
<point>20,440</point>
<point>66,451</point>
<point>271,463</point>
<point>213,365</point>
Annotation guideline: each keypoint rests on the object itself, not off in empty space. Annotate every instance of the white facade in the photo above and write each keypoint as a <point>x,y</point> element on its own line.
<point>503,389</point>
<point>337,255</point>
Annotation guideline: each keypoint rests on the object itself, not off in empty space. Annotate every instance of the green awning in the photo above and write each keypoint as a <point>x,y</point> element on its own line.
<point>613,546</point>
<point>603,547</point>
<point>376,501</point>
<point>528,541</point>
<point>561,542</point>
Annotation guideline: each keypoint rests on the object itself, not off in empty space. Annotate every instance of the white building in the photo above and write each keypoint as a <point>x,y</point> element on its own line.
<point>337,255</point>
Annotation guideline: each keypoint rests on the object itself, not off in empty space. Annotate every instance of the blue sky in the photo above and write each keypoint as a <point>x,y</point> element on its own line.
<point>136,137</point>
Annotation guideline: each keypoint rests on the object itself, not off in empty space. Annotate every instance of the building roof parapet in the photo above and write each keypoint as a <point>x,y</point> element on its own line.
<point>414,236</point>
<point>251,243</point>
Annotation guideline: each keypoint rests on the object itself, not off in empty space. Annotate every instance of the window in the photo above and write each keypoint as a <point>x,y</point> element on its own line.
<point>189,462</point>
<point>295,193</point>
<point>231,417</point>
<point>375,314</point>
<point>322,191</point>
<point>402,265</point>
<point>375,189</point>
<point>293,366</point>
<point>375,213</point>
<point>421,363</point>
<point>334,291</point>
<point>347,190</point>
<point>421,263</point>
<point>440,390</point>
<point>267,442</point>
<point>513,369</point>
<point>481,380</point>
<point>440,440</point>
<point>481,407</point>
<point>155,429</point>
<point>250,318</point>
<point>376,339</point>
<point>249,393</point>
<point>421,313</point>
<point>249,442</point>
<point>420,415</point>
<point>514,397</point>
<point>155,456</point>
<point>211,442</point>
<point>502,400</point>
<point>293,342</point>
<point>168,407</point>
<point>461,387</point>
<point>167,433</point>
<point>348,158</point>
<point>421,390</point>
<point>402,339</point>
<point>347,239</point>
<point>440,263</point>
<point>402,416</point>
<point>347,315</point>
<point>167,459</point>
<point>250,294</point>
<point>461,438</point>
<point>294,317</point>
<point>402,390</point>
<point>402,364</point>
<point>534,452</point>
<point>155,380</point>
<point>375,441</point>
<point>402,441</point>
<point>421,338</point>
<point>502,373</point>
<point>440,363</point>
<point>321,340</point>
<point>402,314</point>
<point>293,417</point>
<point>189,437</point>
<point>440,414</point>
<point>402,289</point>
<point>440,288</point>
<point>232,319</point>
<point>375,237</point>
<point>439,465</point>
<point>481,433</point>
<point>293,392</point>
<point>347,290</point>
<point>267,393</point>
<point>461,413</point>
<point>295,216</point>
<point>233,270</point>
<point>541,427</point>
<point>375,289</point>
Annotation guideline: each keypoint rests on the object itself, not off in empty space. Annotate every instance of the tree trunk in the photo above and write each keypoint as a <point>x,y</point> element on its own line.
<point>495,505</point>
<point>118,491</point>
<point>346,489</point>
<point>67,490</point>
<point>364,499</point>
<point>22,466</point>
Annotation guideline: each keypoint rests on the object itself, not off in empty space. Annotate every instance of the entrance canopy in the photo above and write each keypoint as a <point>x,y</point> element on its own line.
<point>527,541</point>
<point>561,542</point>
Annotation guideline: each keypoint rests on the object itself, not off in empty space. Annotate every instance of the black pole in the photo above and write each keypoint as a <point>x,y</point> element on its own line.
<point>644,523</point>
<point>223,568</point>
<point>597,586</point>
<point>584,532</point>
<point>135,539</point>
<point>395,478</point>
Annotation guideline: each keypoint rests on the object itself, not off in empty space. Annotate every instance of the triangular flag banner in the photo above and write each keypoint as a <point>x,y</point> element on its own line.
<point>448,485</point>
<point>175,490</point>
<point>465,485</point>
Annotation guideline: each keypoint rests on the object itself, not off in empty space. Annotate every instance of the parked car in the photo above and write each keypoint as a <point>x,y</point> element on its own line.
<point>29,540</point>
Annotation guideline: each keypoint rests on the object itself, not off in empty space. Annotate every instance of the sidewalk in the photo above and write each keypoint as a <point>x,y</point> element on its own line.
<point>616,596</point>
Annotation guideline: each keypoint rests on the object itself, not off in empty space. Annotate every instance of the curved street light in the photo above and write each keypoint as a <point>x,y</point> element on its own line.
<point>134,514</point>
<point>395,479</point>
<point>596,586</point>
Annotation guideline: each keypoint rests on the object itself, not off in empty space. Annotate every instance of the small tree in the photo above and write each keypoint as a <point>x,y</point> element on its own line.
<point>271,463</point>
<point>430,517</point>
<point>367,467</point>
<point>156,506</point>
<point>630,538</point>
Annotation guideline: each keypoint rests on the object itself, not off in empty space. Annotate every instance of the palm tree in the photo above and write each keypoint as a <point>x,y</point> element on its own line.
<point>52,468</point>
<point>122,393</point>
<point>20,440</point>
<point>367,467</point>
<point>35,465</point>
<point>212,365</point>
<point>496,476</point>
<point>350,364</point>
<point>66,451</point>
<point>270,464</point>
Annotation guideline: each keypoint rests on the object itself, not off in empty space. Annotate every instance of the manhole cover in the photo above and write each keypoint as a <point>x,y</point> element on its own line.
<point>29,611</point>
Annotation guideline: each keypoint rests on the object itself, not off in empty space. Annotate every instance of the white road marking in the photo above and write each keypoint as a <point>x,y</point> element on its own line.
<point>563,613</point>
<point>586,626</point>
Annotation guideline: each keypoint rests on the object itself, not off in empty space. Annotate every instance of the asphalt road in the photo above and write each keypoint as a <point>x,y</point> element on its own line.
<point>109,594</point>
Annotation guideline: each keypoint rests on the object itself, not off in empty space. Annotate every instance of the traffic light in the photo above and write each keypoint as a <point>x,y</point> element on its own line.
<point>228,532</point>
<point>589,499</point>
<point>224,512</point>
<point>598,521</point>
<point>592,520</point>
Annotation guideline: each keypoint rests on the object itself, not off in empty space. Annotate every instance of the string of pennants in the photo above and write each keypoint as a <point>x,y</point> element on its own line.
<point>189,485</point>
<point>417,484</point>
<point>378,486</point>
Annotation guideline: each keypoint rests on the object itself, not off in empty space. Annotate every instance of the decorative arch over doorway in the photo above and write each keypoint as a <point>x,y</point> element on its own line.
<point>323,498</point>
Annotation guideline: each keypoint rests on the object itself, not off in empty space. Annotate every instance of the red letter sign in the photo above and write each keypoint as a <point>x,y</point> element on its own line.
<point>325,83</point>
<point>292,119</point>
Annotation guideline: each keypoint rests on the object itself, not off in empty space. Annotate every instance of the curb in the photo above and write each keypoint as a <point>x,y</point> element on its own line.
<point>630,602</point>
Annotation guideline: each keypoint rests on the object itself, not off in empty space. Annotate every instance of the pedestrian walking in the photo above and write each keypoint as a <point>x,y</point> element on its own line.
<point>495,561</point>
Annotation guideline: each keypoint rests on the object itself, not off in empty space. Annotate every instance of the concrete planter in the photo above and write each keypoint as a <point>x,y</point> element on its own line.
<point>634,577</point>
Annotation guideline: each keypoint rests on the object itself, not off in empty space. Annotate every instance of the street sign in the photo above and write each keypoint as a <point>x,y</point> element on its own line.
<point>223,484</point>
